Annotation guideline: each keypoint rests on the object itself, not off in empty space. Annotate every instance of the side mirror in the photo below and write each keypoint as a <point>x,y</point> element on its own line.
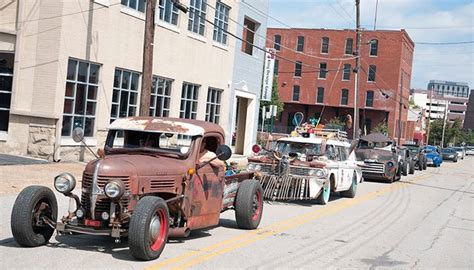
<point>78,134</point>
<point>223,152</point>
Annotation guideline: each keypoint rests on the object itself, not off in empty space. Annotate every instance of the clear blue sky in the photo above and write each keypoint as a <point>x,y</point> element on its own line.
<point>448,21</point>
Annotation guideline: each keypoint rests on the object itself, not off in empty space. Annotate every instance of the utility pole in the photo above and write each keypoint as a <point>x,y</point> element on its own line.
<point>444,124</point>
<point>429,116</point>
<point>356,70</point>
<point>400,110</point>
<point>147,68</point>
<point>375,17</point>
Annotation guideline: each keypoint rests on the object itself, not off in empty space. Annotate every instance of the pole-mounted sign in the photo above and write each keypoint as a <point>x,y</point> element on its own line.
<point>269,66</point>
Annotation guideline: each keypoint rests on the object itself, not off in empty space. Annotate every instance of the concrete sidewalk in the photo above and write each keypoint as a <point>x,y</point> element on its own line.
<point>19,160</point>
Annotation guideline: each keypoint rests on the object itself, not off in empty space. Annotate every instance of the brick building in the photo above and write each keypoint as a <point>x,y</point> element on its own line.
<point>321,83</point>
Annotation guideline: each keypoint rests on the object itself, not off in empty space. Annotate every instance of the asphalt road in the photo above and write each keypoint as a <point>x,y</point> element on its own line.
<point>424,221</point>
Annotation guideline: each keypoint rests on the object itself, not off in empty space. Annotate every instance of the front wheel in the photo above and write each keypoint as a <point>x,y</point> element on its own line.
<point>249,205</point>
<point>33,208</point>
<point>405,169</point>
<point>352,190</point>
<point>149,226</point>
<point>412,168</point>
<point>323,197</point>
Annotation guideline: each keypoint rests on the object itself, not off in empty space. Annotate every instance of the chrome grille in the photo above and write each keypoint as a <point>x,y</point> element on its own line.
<point>373,167</point>
<point>298,170</point>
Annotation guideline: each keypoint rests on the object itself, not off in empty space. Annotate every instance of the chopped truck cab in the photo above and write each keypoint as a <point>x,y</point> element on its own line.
<point>157,177</point>
<point>307,167</point>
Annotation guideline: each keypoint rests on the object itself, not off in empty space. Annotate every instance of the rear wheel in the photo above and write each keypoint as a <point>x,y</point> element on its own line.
<point>412,168</point>
<point>405,169</point>
<point>352,190</point>
<point>249,204</point>
<point>323,197</point>
<point>32,208</point>
<point>149,226</point>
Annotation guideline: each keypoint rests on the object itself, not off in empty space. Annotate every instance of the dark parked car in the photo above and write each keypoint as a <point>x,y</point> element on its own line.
<point>418,156</point>
<point>449,154</point>
<point>407,163</point>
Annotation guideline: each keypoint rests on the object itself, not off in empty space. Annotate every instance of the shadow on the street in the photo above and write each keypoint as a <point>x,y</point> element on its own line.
<point>435,187</point>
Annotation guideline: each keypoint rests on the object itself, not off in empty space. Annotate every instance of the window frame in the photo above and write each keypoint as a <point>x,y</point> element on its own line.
<point>160,95</point>
<point>120,89</point>
<point>346,71</point>
<point>277,45</point>
<point>188,99</point>
<point>296,91</point>
<point>196,18</point>
<point>374,47</point>
<point>372,73</point>
<point>300,44</point>
<point>166,6</point>
<point>7,73</point>
<point>371,105</point>
<point>320,93</point>
<point>248,36</point>
<point>213,105</point>
<point>322,74</point>
<point>351,46</point>
<point>298,69</point>
<point>276,67</point>
<point>344,95</point>
<point>137,7</point>
<point>221,23</point>
<point>324,47</point>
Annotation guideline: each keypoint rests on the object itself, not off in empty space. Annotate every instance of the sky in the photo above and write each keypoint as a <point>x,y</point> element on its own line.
<point>424,20</point>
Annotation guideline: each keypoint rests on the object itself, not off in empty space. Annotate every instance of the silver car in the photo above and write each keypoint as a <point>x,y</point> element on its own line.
<point>460,151</point>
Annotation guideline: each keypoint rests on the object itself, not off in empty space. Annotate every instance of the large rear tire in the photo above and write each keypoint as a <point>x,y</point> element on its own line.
<point>412,168</point>
<point>352,190</point>
<point>323,197</point>
<point>249,204</point>
<point>405,169</point>
<point>33,205</point>
<point>149,226</point>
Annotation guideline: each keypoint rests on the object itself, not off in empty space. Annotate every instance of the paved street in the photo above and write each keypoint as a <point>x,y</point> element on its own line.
<point>424,221</point>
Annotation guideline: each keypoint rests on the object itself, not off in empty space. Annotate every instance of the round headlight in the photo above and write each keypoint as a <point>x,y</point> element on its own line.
<point>64,182</point>
<point>320,173</point>
<point>311,172</point>
<point>258,167</point>
<point>80,213</point>
<point>390,164</point>
<point>251,166</point>
<point>114,189</point>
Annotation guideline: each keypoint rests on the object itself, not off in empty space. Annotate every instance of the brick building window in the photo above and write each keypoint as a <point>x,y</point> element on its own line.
<point>296,93</point>
<point>138,5</point>
<point>344,97</point>
<point>320,95</point>
<point>369,99</point>
<point>277,42</point>
<point>325,45</point>
<point>346,73</point>
<point>374,46</point>
<point>189,101</point>
<point>372,72</point>
<point>349,44</point>
<point>160,97</point>
<point>248,36</point>
<point>276,67</point>
<point>168,12</point>
<point>125,95</point>
<point>300,44</point>
<point>221,22</point>
<point>80,99</point>
<point>6,80</point>
<point>298,68</point>
<point>213,105</point>
<point>323,70</point>
<point>197,15</point>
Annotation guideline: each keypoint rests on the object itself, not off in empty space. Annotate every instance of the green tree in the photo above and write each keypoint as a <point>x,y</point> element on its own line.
<point>381,128</point>
<point>454,131</point>
<point>436,131</point>
<point>275,100</point>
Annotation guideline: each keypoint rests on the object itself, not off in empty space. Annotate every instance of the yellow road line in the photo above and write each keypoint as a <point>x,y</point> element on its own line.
<point>245,239</point>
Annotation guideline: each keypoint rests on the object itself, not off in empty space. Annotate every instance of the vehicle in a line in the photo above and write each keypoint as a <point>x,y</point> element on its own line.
<point>449,154</point>
<point>378,158</point>
<point>469,150</point>
<point>433,156</point>
<point>461,152</point>
<point>407,162</point>
<point>308,166</point>
<point>156,177</point>
<point>418,156</point>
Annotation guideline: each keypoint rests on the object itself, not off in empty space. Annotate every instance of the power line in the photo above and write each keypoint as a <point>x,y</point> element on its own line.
<point>445,43</point>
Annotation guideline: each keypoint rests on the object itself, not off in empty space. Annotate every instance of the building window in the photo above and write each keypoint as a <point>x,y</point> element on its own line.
<point>248,36</point>
<point>276,67</point>
<point>298,68</point>
<point>372,71</point>
<point>168,12</point>
<point>189,101</point>
<point>346,73</point>
<point>277,42</point>
<point>160,97</point>
<point>374,45</point>
<point>325,45</point>
<point>369,99</point>
<point>344,97</point>
<point>221,22</point>
<point>213,105</point>
<point>197,15</point>
<point>138,5</point>
<point>125,96</point>
<point>322,70</point>
<point>320,96</point>
<point>6,79</point>
<point>80,99</point>
<point>296,93</point>
<point>300,44</point>
<point>349,43</point>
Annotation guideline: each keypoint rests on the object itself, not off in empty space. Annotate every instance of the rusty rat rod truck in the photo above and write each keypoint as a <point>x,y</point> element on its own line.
<point>151,181</point>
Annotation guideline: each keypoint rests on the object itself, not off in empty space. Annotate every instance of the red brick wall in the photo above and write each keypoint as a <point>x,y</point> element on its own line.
<point>395,52</point>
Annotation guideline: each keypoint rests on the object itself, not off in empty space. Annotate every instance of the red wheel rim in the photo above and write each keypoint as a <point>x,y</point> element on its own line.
<point>160,239</point>
<point>257,205</point>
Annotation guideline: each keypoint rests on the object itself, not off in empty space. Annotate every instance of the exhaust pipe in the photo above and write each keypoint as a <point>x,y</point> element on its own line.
<point>181,232</point>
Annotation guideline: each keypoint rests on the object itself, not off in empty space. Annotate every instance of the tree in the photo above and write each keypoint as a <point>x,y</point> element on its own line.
<point>275,100</point>
<point>381,128</point>
<point>436,131</point>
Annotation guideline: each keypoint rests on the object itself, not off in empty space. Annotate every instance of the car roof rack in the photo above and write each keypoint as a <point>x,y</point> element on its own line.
<point>327,133</point>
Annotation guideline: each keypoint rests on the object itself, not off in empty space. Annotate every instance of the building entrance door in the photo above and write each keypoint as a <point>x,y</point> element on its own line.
<point>240,124</point>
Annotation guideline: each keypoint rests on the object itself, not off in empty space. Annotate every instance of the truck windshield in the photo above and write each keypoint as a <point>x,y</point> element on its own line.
<point>119,141</point>
<point>285,148</point>
<point>370,145</point>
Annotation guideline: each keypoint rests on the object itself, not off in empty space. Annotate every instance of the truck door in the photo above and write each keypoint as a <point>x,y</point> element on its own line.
<point>345,170</point>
